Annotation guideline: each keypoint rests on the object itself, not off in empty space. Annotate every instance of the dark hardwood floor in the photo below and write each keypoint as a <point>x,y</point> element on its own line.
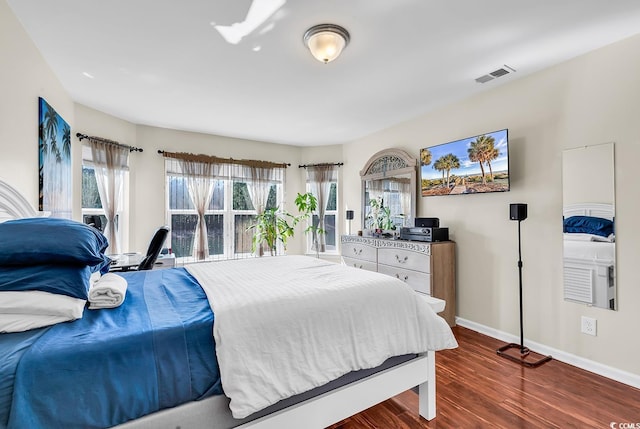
<point>476,388</point>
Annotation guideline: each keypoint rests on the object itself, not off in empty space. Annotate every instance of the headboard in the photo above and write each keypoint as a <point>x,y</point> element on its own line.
<point>605,211</point>
<point>13,205</point>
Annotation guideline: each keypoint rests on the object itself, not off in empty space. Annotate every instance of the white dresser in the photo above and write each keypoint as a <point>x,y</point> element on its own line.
<point>429,268</point>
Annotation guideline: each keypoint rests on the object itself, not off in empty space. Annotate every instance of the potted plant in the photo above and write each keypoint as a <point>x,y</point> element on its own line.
<point>275,225</point>
<point>379,218</point>
<point>270,227</point>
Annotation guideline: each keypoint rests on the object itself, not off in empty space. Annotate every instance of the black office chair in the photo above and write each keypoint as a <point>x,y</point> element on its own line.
<point>94,221</point>
<point>154,248</point>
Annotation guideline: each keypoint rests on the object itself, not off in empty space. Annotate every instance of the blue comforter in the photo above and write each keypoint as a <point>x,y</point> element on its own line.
<point>154,352</point>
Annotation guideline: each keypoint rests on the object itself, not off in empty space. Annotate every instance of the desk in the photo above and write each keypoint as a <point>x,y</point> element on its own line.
<point>125,261</point>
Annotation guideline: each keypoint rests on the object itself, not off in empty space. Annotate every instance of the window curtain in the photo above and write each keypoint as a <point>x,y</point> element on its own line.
<point>405,199</point>
<point>200,182</point>
<point>403,188</point>
<point>110,163</point>
<point>320,178</point>
<point>259,180</point>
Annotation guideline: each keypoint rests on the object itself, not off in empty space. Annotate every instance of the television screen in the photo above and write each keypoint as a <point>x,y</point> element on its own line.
<point>473,165</point>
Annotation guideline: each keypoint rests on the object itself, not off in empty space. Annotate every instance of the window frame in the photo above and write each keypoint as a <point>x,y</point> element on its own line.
<point>309,250</point>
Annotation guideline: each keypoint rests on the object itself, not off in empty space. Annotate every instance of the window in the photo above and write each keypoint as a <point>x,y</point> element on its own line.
<point>322,182</point>
<point>330,223</point>
<point>228,216</point>
<point>92,211</point>
<point>183,218</point>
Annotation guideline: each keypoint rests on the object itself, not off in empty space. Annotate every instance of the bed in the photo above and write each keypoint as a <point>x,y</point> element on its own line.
<point>276,357</point>
<point>589,254</point>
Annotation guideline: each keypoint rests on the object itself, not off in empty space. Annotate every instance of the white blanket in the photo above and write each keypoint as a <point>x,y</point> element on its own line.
<point>284,325</point>
<point>108,292</point>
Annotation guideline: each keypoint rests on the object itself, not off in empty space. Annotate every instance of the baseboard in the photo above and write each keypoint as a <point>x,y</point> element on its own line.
<point>625,377</point>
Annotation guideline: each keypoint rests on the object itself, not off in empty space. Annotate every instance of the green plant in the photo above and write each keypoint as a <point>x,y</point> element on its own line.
<point>307,204</point>
<point>278,225</point>
<point>379,216</point>
<point>270,227</point>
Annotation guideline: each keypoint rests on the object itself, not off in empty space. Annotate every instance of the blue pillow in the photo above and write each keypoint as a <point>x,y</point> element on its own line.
<point>588,225</point>
<point>50,241</point>
<point>59,279</point>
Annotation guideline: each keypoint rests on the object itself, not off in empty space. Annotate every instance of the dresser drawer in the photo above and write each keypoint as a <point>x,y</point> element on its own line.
<point>359,263</point>
<point>419,281</point>
<point>359,251</point>
<point>405,259</point>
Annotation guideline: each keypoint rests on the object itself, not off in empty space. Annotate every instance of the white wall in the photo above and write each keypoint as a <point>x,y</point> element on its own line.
<point>25,76</point>
<point>581,102</point>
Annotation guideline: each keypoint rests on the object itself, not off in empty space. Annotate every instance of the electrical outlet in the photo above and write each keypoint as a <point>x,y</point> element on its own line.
<point>588,326</point>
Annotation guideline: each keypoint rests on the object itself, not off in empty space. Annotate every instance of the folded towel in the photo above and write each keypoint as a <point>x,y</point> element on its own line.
<point>108,292</point>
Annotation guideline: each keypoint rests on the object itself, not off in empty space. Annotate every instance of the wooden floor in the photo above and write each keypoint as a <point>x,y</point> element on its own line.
<point>476,388</point>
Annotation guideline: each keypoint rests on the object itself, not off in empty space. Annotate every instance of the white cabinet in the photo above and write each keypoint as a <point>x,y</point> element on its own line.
<point>429,268</point>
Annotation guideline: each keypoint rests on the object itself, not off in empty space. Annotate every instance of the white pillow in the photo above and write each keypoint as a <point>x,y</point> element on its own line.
<point>578,236</point>
<point>21,311</point>
<point>41,303</point>
<point>25,322</point>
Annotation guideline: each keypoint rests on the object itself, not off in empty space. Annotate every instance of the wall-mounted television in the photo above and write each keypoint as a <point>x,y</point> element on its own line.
<point>473,165</point>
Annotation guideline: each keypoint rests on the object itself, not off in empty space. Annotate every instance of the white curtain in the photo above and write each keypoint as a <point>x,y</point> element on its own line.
<point>110,163</point>
<point>403,188</point>
<point>320,178</point>
<point>405,198</point>
<point>259,181</point>
<point>200,183</point>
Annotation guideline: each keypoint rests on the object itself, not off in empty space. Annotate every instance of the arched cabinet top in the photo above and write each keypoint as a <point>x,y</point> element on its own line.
<point>388,162</point>
<point>390,176</point>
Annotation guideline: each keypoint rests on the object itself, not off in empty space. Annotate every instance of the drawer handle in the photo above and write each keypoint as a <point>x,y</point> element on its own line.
<point>356,266</point>
<point>404,279</point>
<point>357,251</point>
<point>402,260</point>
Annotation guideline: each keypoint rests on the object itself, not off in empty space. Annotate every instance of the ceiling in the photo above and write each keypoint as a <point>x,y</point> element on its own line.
<point>166,63</point>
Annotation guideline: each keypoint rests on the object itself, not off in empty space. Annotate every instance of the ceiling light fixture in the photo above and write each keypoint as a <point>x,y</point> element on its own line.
<point>326,41</point>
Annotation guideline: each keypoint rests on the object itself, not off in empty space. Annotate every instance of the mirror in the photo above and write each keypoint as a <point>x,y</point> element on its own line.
<point>389,190</point>
<point>589,249</point>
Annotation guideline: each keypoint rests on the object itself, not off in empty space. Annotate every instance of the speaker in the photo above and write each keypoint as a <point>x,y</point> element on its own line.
<point>349,214</point>
<point>428,222</point>
<point>518,211</point>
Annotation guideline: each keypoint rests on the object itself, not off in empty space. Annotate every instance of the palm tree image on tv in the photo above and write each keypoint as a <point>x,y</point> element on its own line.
<point>476,164</point>
<point>54,154</point>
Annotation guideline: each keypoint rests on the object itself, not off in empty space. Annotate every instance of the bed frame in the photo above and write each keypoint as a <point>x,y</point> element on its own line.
<point>318,412</point>
<point>315,413</point>
<point>589,282</point>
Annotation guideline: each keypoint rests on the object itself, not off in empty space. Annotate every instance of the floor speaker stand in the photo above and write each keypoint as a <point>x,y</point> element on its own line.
<point>523,356</point>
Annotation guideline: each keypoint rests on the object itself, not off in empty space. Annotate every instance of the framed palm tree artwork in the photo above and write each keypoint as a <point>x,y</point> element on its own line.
<point>54,156</point>
<point>472,165</point>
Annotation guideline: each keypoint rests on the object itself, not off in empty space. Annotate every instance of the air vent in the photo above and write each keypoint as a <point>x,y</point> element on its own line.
<point>483,79</point>
<point>495,74</point>
<point>499,72</point>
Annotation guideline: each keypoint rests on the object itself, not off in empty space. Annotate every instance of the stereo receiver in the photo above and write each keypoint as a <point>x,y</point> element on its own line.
<point>424,234</point>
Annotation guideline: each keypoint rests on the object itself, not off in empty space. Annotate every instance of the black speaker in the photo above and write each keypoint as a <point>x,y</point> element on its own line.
<point>349,214</point>
<point>518,211</point>
<point>429,222</point>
